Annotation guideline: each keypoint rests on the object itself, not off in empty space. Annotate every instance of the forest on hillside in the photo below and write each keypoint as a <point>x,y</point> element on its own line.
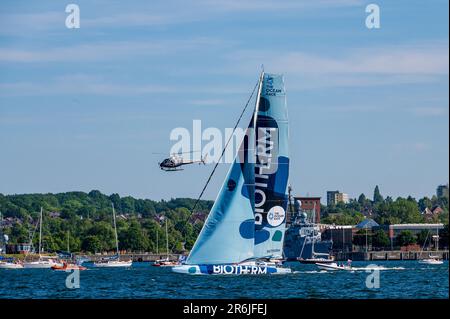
<point>83,221</point>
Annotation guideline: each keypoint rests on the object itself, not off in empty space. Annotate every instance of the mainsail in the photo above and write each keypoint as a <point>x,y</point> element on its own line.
<point>271,168</point>
<point>247,219</point>
<point>228,233</point>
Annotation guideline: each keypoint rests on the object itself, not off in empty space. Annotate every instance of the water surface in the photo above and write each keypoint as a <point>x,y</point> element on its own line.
<point>403,279</point>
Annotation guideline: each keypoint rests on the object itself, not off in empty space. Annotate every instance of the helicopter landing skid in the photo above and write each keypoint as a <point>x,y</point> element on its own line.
<point>172,169</point>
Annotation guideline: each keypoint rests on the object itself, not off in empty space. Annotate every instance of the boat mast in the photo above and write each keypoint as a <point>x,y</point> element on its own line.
<point>437,239</point>
<point>40,232</point>
<point>258,96</point>
<point>167,242</point>
<point>115,229</point>
<point>313,255</point>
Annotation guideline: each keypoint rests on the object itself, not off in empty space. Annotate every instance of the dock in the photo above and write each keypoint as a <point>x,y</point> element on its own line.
<point>390,255</point>
<point>144,257</point>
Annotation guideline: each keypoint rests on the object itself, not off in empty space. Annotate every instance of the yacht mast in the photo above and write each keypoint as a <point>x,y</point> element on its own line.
<point>258,96</point>
<point>314,230</point>
<point>115,229</point>
<point>40,232</point>
<point>167,242</point>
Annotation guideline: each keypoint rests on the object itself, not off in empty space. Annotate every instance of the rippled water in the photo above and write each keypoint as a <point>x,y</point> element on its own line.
<point>405,279</point>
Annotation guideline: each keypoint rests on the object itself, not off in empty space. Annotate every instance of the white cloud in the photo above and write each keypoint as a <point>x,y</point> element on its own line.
<point>154,14</point>
<point>391,65</point>
<point>79,84</point>
<point>208,102</point>
<point>430,111</point>
<point>105,50</point>
<point>416,147</point>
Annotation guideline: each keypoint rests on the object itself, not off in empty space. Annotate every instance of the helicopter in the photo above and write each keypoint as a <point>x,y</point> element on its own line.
<point>173,162</point>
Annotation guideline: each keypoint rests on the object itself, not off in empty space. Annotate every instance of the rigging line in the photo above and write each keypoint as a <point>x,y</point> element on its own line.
<point>226,145</point>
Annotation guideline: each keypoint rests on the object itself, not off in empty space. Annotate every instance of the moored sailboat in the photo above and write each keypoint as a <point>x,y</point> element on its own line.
<point>246,224</point>
<point>114,261</point>
<point>43,261</point>
<point>166,262</point>
<point>69,263</point>
<point>431,260</point>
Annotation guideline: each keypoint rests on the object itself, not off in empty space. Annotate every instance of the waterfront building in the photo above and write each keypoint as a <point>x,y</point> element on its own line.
<point>18,248</point>
<point>442,191</point>
<point>334,197</point>
<point>340,235</point>
<point>415,229</point>
<point>310,204</point>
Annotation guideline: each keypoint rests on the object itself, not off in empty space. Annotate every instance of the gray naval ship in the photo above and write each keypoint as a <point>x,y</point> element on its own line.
<point>303,240</point>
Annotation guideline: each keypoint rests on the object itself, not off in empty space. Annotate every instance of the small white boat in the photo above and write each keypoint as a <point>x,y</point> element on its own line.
<point>10,265</point>
<point>114,262</point>
<point>316,260</point>
<point>43,262</point>
<point>431,261</point>
<point>166,263</point>
<point>333,266</point>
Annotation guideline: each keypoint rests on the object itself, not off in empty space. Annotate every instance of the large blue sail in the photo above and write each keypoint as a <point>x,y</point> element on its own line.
<point>228,233</point>
<point>271,168</point>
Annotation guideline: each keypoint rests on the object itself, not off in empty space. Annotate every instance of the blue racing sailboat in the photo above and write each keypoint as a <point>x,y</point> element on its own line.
<point>245,227</point>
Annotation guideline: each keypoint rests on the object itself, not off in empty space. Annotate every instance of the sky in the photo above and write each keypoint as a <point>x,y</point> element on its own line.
<point>88,108</point>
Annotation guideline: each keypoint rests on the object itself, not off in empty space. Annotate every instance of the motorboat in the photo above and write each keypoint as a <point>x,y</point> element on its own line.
<point>431,261</point>
<point>10,265</point>
<point>334,266</point>
<point>68,266</point>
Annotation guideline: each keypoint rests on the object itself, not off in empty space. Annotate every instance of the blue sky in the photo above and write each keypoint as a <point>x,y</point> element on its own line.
<point>84,109</point>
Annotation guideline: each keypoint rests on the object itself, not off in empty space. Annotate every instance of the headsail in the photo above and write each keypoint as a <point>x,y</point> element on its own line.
<point>271,168</point>
<point>228,233</point>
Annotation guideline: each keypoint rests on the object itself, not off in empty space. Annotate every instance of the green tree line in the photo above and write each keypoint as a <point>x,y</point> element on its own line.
<point>83,221</point>
<point>384,211</point>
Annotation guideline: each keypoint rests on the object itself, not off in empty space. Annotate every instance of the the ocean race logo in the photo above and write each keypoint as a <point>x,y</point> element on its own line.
<point>275,216</point>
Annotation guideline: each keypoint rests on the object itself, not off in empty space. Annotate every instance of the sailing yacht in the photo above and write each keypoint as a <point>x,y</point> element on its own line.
<point>246,224</point>
<point>166,262</point>
<point>431,260</point>
<point>43,261</point>
<point>114,261</point>
<point>68,264</point>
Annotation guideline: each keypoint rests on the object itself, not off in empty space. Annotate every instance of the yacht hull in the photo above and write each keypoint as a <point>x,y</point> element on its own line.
<point>113,264</point>
<point>431,262</point>
<point>39,265</point>
<point>230,270</point>
<point>10,266</point>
